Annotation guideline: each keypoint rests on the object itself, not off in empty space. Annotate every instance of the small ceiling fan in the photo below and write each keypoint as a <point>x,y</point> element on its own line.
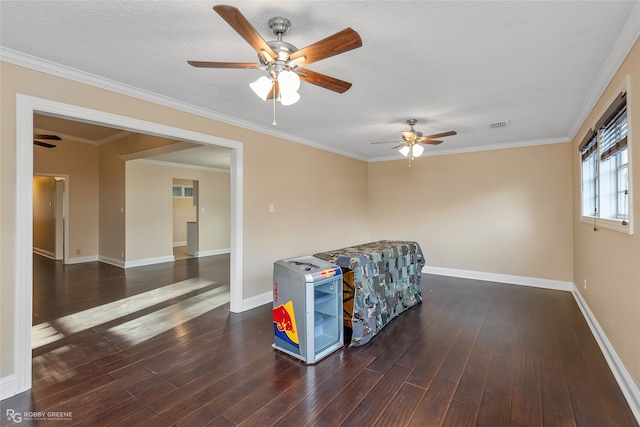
<point>282,60</point>
<point>38,139</point>
<point>412,141</point>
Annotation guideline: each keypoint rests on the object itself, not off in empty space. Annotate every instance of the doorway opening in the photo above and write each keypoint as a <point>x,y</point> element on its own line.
<point>185,218</point>
<point>26,107</point>
<point>50,206</point>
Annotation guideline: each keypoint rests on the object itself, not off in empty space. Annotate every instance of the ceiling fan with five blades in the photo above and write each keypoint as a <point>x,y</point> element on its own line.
<point>282,60</point>
<point>412,141</point>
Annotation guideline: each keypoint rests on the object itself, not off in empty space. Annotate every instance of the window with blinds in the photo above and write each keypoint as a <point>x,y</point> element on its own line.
<point>589,152</point>
<point>605,168</point>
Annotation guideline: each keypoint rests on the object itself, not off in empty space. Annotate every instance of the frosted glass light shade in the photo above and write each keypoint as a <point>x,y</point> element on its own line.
<point>262,87</point>
<point>288,84</point>
<point>288,81</point>
<point>417,150</point>
<point>289,98</point>
<point>405,150</point>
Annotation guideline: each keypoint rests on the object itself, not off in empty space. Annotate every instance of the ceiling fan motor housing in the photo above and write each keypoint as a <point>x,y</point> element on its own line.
<point>279,26</point>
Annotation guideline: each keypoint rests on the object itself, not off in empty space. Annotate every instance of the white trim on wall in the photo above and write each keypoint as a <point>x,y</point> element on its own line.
<point>258,300</point>
<point>112,261</point>
<point>148,261</point>
<point>45,66</point>
<point>212,252</point>
<point>627,38</point>
<point>622,376</point>
<point>626,383</point>
<point>26,106</point>
<point>511,279</point>
<point>7,386</point>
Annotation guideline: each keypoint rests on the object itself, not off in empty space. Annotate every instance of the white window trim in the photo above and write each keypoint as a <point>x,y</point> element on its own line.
<point>612,224</point>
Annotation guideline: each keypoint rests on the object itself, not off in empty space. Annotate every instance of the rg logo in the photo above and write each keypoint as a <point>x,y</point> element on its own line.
<point>14,416</point>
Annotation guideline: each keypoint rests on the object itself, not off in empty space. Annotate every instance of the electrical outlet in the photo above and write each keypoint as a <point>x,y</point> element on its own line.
<point>585,284</point>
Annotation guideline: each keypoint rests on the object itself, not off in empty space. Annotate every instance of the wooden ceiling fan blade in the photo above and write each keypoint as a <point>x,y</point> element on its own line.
<point>43,144</point>
<point>51,137</point>
<point>431,141</point>
<point>441,135</point>
<point>340,42</point>
<point>238,22</point>
<point>324,81</point>
<point>209,64</point>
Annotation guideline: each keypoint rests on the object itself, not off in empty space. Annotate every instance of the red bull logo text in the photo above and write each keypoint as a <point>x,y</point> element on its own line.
<point>328,272</point>
<point>275,291</point>
<point>284,324</point>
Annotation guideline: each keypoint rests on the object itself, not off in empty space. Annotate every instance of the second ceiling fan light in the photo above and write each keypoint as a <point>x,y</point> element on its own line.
<point>416,150</point>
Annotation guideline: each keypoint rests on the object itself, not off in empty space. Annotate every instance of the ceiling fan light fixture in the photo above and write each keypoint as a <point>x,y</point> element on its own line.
<point>405,150</point>
<point>417,150</point>
<point>288,83</point>
<point>408,135</point>
<point>289,99</point>
<point>262,87</point>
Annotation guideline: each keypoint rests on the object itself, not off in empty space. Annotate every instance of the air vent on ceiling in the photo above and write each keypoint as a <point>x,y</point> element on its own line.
<point>502,124</point>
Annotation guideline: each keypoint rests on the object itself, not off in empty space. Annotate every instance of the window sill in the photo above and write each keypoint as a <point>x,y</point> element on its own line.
<point>609,224</point>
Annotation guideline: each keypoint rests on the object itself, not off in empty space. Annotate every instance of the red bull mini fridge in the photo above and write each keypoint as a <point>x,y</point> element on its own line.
<point>307,308</point>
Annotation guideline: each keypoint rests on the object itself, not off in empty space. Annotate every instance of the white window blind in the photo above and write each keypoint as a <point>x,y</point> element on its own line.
<point>605,169</point>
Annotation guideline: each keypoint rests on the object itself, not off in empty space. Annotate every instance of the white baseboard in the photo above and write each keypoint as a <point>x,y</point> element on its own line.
<point>500,278</point>
<point>112,261</point>
<point>44,253</point>
<point>175,244</point>
<point>7,386</point>
<point>148,261</point>
<point>257,301</point>
<point>80,260</point>
<point>626,383</point>
<point>212,252</point>
<point>158,260</point>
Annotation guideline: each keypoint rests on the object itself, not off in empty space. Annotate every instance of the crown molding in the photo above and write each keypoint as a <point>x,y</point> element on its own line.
<point>624,43</point>
<point>478,148</point>
<point>58,70</point>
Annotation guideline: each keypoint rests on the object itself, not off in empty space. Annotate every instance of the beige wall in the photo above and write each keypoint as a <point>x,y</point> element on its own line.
<point>608,260</point>
<point>319,199</point>
<point>112,190</point>
<point>149,208</point>
<point>79,161</point>
<point>502,211</point>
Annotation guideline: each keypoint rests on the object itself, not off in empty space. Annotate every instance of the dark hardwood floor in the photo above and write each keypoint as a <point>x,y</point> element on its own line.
<point>157,346</point>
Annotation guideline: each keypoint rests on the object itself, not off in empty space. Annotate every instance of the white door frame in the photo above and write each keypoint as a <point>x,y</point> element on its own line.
<point>26,106</point>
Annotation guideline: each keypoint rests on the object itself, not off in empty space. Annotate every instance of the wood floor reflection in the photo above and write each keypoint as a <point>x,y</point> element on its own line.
<point>472,354</point>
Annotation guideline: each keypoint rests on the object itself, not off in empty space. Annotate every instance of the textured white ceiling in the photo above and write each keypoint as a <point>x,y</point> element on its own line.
<point>452,65</point>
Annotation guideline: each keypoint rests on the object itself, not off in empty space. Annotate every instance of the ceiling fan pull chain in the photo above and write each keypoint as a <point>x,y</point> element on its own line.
<point>274,111</point>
